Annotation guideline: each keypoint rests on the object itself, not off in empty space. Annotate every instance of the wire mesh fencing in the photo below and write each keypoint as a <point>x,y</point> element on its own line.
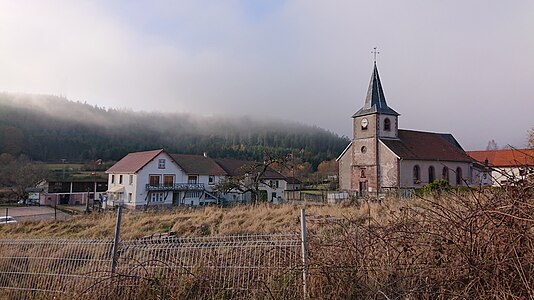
<point>242,266</point>
<point>31,267</point>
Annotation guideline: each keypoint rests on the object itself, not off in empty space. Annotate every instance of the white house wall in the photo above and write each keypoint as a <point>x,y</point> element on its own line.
<point>171,168</point>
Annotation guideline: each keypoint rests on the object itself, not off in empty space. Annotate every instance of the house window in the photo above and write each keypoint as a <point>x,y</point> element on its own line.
<point>131,180</point>
<point>416,174</point>
<point>387,125</point>
<point>154,180</point>
<point>192,179</point>
<point>192,194</point>
<point>445,173</point>
<point>458,176</point>
<point>273,196</point>
<point>161,163</point>
<point>431,174</point>
<point>120,179</point>
<point>130,197</point>
<point>112,178</point>
<point>168,180</point>
<point>274,184</point>
<point>157,197</point>
<point>211,179</point>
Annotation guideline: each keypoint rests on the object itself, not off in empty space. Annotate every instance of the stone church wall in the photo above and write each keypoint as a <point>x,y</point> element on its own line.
<point>345,170</point>
<point>389,167</point>
<point>407,167</point>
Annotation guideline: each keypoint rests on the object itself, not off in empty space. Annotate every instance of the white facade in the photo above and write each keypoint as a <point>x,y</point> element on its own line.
<point>161,182</point>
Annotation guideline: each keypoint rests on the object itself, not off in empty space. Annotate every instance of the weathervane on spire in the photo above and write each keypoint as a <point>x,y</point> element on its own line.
<point>375,53</point>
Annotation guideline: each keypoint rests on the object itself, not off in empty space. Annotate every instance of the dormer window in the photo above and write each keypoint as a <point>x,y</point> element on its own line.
<point>161,163</point>
<point>387,124</point>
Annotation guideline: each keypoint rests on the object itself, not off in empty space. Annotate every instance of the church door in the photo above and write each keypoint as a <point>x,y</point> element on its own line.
<point>363,188</point>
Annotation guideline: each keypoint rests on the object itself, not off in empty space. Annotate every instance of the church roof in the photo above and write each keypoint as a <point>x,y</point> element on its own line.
<point>375,102</point>
<point>505,158</point>
<point>419,145</point>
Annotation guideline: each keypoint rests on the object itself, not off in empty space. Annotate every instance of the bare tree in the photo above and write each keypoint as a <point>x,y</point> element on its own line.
<point>531,138</point>
<point>21,174</point>
<point>249,178</point>
<point>492,145</point>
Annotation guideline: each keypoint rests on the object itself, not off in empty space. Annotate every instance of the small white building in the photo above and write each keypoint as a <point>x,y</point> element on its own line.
<point>271,184</point>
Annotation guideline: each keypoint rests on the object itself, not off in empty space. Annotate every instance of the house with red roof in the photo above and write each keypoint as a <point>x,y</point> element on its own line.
<point>506,166</point>
<point>158,178</point>
<point>381,157</point>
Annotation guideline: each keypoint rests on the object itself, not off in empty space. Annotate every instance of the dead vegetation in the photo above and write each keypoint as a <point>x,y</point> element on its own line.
<point>471,245</point>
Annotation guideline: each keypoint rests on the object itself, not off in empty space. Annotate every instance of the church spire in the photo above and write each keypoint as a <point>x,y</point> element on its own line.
<point>375,102</point>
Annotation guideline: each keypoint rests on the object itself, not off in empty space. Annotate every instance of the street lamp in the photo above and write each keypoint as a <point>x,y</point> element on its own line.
<point>94,163</point>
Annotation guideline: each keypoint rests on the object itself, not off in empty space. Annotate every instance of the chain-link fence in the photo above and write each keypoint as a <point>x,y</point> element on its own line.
<point>241,266</point>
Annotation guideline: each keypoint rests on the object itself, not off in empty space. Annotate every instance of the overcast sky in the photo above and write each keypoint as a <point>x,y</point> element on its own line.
<point>464,67</point>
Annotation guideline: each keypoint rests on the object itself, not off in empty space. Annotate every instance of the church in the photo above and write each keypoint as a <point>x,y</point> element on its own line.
<point>381,158</point>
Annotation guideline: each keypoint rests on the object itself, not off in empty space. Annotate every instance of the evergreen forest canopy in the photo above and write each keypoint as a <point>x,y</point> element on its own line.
<point>50,128</point>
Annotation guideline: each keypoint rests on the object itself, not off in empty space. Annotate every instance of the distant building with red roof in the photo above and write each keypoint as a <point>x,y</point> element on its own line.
<point>507,166</point>
<point>383,158</point>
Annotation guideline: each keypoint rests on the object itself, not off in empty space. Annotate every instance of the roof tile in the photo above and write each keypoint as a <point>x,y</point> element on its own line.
<point>504,158</point>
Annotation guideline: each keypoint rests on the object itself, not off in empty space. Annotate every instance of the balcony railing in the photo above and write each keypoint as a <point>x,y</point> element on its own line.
<point>176,187</point>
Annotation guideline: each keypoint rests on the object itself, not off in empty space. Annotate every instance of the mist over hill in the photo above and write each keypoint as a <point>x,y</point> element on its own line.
<point>47,128</point>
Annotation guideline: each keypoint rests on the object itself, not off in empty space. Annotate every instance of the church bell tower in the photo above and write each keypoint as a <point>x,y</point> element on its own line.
<point>374,121</point>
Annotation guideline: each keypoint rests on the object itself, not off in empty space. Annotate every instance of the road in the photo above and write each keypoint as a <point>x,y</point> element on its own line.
<point>34,213</point>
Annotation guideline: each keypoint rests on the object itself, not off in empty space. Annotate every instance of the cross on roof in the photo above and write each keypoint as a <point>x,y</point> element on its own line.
<point>375,53</point>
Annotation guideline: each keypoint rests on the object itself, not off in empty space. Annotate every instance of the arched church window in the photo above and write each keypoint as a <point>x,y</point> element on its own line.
<point>445,173</point>
<point>416,174</point>
<point>362,174</point>
<point>431,174</point>
<point>458,176</point>
<point>387,125</point>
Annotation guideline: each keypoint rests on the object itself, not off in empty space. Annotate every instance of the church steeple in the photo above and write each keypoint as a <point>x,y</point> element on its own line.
<point>375,102</point>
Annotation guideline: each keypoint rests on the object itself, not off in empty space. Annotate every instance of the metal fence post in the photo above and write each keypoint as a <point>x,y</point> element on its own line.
<point>116,241</point>
<point>304,242</point>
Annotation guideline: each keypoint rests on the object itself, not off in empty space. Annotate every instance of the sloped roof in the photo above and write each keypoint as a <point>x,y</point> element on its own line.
<point>235,167</point>
<point>375,102</point>
<point>134,162</point>
<point>198,164</point>
<point>293,180</point>
<point>419,145</point>
<point>504,158</point>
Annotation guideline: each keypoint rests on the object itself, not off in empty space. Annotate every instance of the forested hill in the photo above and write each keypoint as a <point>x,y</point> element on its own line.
<point>51,128</point>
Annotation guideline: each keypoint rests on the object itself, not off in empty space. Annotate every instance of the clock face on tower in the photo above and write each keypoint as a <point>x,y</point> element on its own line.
<point>364,123</point>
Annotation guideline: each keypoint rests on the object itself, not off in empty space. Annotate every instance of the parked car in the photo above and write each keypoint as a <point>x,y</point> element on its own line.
<point>29,202</point>
<point>7,220</point>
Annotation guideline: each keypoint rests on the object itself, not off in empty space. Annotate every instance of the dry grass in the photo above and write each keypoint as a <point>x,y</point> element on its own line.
<point>478,245</point>
<point>184,222</point>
